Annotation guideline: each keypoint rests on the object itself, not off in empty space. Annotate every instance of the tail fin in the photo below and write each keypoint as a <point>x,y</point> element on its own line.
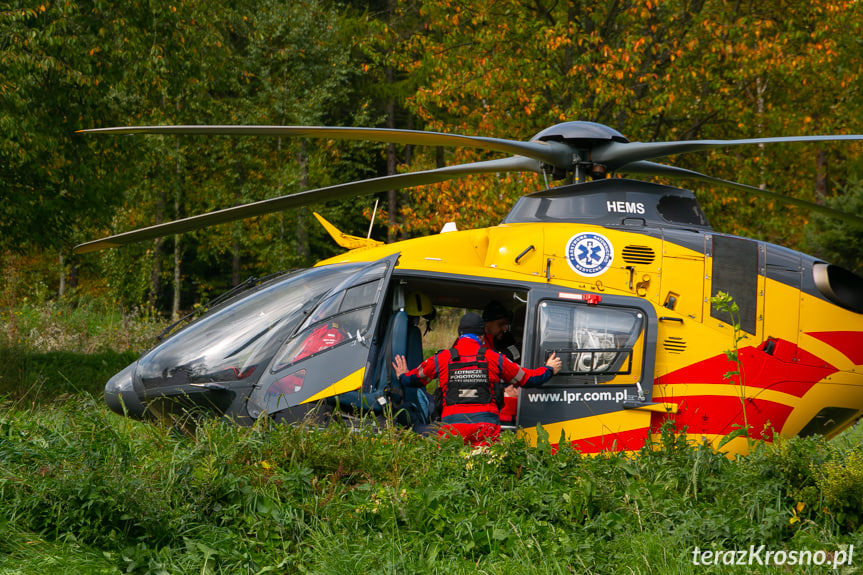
<point>345,240</point>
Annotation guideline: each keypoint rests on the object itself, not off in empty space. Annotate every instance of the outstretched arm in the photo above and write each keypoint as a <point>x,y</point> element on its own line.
<point>514,373</point>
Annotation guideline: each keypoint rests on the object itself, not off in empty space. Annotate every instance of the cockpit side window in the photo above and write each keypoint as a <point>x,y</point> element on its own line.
<point>344,316</point>
<point>597,344</point>
<point>351,298</point>
<point>321,336</point>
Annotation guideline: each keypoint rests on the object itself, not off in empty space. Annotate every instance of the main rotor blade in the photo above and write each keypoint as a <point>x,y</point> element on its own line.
<point>350,189</point>
<point>654,169</point>
<point>553,153</point>
<point>615,155</point>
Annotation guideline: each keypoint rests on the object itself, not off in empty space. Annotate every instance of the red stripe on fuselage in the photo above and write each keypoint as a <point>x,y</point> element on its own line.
<point>631,440</point>
<point>720,415</point>
<point>849,343</point>
<point>788,369</point>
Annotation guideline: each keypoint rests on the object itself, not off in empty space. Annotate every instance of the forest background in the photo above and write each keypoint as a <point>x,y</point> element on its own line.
<point>504,68</point>
<point>85,491</point>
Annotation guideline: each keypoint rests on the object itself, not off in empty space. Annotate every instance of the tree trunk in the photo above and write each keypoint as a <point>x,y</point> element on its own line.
<point>390,109</point>
<point>302,233</point>
<point>178,276</point>
<point>61,291</point>
<point>282,238</point>
<point>236,258</point>
<point>179,212</point>
<point>158,246</point>
<point>760,89</point>
<point>392,197</point>
<point>73,274</point>
<point>822,177</point>
<point>237,229</point>
<point>409,156</point>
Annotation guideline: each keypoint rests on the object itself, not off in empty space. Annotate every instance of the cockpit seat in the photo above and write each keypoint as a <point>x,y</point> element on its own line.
<point>410,406</point>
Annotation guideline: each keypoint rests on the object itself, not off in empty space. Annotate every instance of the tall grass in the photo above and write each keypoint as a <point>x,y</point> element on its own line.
<point>82,490</point>
<point>85,491</point>
<point>57,348</point>
<point>77,326</point>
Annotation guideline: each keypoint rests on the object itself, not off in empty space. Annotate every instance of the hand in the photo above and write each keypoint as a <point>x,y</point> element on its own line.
<point>400,365</point>
<point>554,363</point>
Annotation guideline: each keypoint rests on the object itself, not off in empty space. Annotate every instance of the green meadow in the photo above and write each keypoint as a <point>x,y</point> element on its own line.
<point>83,490</point>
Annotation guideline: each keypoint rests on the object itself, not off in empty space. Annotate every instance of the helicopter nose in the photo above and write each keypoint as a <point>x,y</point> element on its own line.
<point>120,394</point>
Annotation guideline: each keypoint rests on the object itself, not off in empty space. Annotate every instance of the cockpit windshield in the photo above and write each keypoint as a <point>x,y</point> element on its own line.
<point>231,342</point>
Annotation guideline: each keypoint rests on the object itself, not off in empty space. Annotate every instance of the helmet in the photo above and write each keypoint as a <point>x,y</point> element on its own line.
<point>418,304</point>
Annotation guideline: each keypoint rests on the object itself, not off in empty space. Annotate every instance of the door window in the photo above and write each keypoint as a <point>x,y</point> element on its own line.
<point>596,344</point>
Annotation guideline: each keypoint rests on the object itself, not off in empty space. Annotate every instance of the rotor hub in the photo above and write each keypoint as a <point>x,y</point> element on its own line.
<point>578,132</point>
<point>582,137</point>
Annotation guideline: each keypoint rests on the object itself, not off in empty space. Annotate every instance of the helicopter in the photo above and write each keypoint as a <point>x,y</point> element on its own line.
<point>614,275</point>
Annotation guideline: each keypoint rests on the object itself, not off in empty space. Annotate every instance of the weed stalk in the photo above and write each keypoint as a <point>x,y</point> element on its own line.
<point>724,303</point>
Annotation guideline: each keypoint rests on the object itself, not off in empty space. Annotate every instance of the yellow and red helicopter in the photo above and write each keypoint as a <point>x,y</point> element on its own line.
<point>613,275</point>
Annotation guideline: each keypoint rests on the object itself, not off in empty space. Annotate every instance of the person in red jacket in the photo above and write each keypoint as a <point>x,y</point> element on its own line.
<point>471,377</point>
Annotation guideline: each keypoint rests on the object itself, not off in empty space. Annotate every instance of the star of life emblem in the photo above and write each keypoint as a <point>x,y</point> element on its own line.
<point>589,254</point>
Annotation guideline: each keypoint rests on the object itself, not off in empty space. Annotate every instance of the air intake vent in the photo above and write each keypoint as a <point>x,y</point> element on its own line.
<point>638,255</point>
<point>674,345</point>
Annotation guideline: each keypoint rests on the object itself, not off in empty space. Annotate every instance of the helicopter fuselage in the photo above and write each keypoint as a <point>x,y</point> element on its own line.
<point>614,276</point>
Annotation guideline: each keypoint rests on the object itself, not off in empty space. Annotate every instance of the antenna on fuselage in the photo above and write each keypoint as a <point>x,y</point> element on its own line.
<point>371,223</point>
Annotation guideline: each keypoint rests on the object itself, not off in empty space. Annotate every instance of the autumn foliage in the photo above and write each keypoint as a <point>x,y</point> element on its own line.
<point>652,70</point>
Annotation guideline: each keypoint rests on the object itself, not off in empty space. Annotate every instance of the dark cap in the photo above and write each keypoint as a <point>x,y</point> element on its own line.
<point>471,323</point>
<point>495,310</point>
